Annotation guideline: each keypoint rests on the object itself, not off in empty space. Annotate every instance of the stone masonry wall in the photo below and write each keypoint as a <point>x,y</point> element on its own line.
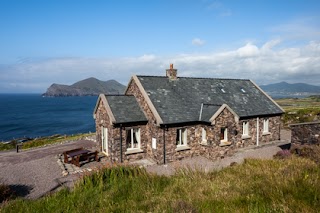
<point>305,133</point>
<point>272,135</point>
<point>126,156</point>
<point>103,120</point>
<point>152,130</point>
<point>214,148</point>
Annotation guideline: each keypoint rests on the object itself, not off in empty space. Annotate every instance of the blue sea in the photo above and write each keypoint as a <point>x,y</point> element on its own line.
<point>31,115</point>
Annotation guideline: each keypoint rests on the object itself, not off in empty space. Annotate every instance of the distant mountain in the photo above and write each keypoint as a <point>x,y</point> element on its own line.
<point>284,89</point>
<point>86,87</point>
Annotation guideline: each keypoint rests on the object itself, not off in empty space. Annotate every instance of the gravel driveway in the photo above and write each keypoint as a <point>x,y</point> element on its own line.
<point>35,172</point>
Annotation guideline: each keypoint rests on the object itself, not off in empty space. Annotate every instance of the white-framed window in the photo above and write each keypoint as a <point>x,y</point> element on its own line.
<point>245,128</point>
<point>204,135</point>
<point>224,134</point>
<point>133,138</point>
<point>181,139</point>
<point>265,125</point>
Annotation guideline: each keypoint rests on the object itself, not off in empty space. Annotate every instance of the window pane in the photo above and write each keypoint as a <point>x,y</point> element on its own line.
<point>128,138</point>
<point>184,137</point>
<point>222,134</point>
<point>204,134</point>
<point>177,137</point>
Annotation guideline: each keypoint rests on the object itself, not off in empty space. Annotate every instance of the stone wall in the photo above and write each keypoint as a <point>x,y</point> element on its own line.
<point>272,135</point>
<point>126,154</point>
<point>305,133</point>
<point>152,130</point>
<point>102,120</point>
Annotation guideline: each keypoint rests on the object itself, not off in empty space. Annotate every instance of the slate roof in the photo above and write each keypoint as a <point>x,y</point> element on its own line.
<point>180,100</point>
<point>125,109</point>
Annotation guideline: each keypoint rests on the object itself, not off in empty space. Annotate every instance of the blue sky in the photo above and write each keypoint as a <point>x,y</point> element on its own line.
<point>55,41</point>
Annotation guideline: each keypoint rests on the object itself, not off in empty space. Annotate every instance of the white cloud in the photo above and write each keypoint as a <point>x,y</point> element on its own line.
<point>268,63</point>
<point>198,42</point>
<point>249,50</point>
<point>301,28</point>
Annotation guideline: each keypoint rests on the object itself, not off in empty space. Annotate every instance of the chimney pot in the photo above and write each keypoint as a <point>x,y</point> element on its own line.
<point>171,73</point>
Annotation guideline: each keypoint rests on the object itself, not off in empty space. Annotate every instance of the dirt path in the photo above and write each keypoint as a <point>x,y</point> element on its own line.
<point>35,172</point>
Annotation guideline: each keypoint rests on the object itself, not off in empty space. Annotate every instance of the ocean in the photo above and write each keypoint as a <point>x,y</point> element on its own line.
<point>31,115</point>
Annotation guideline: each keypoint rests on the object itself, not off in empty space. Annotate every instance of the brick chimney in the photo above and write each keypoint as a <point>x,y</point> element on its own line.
<point>171,73</point>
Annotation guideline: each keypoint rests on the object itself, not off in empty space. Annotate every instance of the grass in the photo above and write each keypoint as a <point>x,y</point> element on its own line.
<point>288,185</point>
<point>43,141</point>
<point>300,110</point>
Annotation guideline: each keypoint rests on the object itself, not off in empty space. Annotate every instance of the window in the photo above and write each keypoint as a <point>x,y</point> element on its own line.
<point>181,139</point>
<point>265,125</point>
<point>204,136</point>
<point>224,134</point>
<point>245,128</point>
<point>133,139</point>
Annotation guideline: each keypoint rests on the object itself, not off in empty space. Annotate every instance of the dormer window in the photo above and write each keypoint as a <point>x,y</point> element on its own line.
<point>222,90</point>
<point>242,90</point>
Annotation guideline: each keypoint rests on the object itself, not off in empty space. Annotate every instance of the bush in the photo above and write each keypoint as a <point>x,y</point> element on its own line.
<point>5,192</point>
<point>282,154</point>
<point>311,152</point>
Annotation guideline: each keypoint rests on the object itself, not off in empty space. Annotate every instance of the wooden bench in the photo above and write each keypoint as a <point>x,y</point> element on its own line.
<point>66,154</point>
<point>90,156</point>
<point>78,155</point>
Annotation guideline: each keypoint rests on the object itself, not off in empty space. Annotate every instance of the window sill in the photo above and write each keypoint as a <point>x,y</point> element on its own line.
<point>245,136</point>
<point>133,151</point>
<point>181,148</point>
<point>266,133</point>
<point>225,143</point>
<point>204,143</point>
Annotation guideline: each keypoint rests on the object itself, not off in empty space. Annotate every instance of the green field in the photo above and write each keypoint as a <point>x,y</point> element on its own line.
<point>300,110</point>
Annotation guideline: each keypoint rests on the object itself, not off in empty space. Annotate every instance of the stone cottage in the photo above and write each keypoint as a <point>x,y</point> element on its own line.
<point>167,118</point>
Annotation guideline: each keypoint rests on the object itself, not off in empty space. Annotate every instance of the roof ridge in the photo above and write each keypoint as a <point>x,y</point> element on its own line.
<point>156,76</point>
<point>117,95</point>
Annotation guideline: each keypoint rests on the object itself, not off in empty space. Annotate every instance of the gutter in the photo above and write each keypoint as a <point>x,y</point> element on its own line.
<point>258,131</point>
<point>121,143</point>
<point>164,144</point>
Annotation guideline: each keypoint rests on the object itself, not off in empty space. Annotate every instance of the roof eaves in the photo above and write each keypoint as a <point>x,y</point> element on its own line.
<point>268,96</point>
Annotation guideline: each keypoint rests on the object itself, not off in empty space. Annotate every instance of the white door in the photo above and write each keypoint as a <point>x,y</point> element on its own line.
<point>104,135</point>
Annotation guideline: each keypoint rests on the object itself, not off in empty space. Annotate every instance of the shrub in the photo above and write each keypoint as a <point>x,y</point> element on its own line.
<point>5,192</point>
<point>282,154</point>
<point>311,152</point>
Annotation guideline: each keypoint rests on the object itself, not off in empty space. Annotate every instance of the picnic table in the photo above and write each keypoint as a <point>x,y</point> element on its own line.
<point>78,155</point>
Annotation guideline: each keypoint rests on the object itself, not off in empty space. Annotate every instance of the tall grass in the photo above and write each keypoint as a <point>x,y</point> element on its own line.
<point>290,185</point>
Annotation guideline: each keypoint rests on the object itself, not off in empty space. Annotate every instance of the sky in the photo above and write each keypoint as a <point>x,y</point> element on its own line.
<point>64,41</point>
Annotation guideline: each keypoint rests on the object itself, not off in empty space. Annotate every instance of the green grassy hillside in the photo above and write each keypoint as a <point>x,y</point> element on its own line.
<point>288,185</point>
